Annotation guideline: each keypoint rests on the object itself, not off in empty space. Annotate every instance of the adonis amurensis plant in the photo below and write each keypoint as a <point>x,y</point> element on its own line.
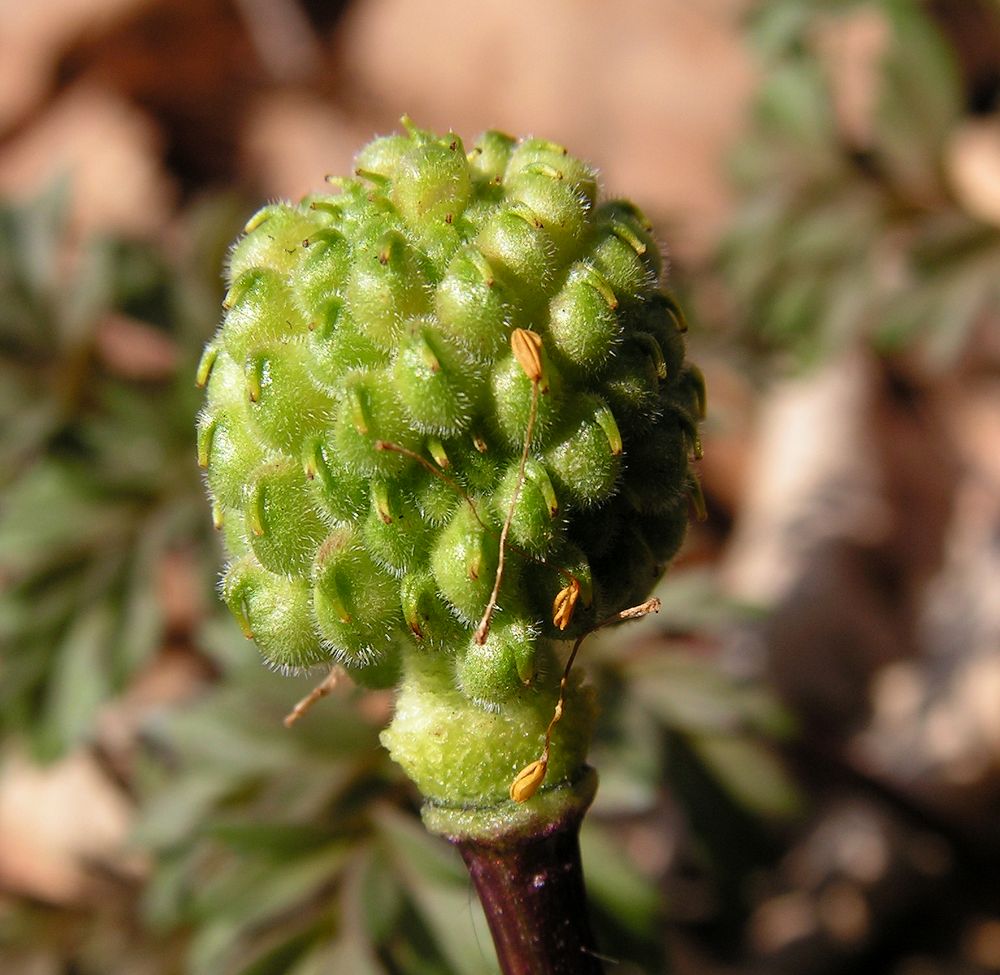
<point>448,427</point>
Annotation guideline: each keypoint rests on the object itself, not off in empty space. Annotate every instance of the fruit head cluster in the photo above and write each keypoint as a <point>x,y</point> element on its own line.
<point>371,428</point>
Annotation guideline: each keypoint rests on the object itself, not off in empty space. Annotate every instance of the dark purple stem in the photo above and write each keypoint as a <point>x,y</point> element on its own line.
<point>531,887</point>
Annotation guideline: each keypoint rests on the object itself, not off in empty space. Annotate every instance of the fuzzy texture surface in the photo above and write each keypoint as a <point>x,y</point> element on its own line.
<point>454,348</point>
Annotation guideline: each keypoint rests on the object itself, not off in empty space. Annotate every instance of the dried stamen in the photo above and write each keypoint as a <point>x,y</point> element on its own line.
<point>527,348</point>
<point>565,603</point>
<point>319,691</point>
<point>528,780</point>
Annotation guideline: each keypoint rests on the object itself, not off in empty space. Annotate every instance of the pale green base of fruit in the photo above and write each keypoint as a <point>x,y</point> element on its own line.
<point>508,820</point>
<point>463,757</point>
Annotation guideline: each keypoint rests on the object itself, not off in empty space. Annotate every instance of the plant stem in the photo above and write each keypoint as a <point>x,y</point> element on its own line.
<point>530,882</point>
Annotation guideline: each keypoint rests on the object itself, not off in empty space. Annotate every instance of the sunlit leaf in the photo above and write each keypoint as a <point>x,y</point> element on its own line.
<point>79,684</point>
<point>615,882</point>
<point>441,890</point>
<point>750,773</point>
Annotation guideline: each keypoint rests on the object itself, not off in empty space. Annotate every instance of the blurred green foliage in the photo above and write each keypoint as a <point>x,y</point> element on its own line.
<point>95,465</point>
<point>851,230</point>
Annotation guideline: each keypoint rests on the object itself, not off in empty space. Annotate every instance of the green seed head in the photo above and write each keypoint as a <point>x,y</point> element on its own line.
<point>455,348</point>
